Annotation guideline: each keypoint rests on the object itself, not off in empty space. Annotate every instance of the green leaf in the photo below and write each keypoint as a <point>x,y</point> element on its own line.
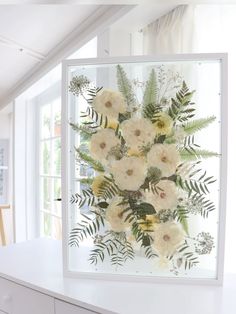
<point>188,155</point>
<point>103,204</point>
<point>182,216</point>
<point>145,209</point>
<point>96,165</point>
<point>150,96</point>
<point>125,86</point>
<point>197,125</point>
<point>86,181</point>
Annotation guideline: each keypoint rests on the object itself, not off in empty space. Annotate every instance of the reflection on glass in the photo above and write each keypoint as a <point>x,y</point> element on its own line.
<point>57,157</point>
<point>46,194</point>
<point>46,121</point>
<point>47,224</point>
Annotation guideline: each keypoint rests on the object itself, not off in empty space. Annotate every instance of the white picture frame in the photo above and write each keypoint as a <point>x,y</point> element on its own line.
<point>222,58</point>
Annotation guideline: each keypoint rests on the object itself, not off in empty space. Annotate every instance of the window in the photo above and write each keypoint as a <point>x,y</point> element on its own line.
<point>50,169</point>
<point>49,147</point>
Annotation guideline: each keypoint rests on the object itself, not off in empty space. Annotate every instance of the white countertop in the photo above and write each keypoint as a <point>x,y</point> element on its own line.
<point>38,265</point>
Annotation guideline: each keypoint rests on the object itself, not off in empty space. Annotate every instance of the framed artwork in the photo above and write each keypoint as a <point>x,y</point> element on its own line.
<point>144,168</point>
<point>4,146</point>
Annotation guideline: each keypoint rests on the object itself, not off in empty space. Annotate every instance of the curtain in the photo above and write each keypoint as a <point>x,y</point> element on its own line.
<point>204,29</point>
<point>172,33</point>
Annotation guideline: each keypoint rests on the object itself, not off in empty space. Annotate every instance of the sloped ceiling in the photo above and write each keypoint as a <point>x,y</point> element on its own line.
<point>28,33</point>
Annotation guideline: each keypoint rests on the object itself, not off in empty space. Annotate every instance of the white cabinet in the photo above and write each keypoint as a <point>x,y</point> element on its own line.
<point>66,308</point>
<point>16,299</point>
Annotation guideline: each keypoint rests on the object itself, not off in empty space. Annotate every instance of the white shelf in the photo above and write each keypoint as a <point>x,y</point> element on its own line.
<point>38,265</point>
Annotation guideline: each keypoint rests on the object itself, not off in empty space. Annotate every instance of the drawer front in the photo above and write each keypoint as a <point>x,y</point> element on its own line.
<point>67,308</point>
<point>16,299</point>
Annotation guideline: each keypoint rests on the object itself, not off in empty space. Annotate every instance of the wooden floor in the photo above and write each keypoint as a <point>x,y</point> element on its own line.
<point>2,229</point>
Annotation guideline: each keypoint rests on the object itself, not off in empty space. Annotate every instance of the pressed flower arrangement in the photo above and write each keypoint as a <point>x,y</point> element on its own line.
<point>146,181</point>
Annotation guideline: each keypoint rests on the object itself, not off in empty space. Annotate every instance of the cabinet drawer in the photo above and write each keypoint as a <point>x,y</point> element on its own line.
<point>67,308</point>
<point>16,299</point>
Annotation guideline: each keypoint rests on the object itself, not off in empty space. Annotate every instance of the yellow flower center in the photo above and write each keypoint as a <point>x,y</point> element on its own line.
<point>137,132</point>
<point>166,237</point>
<point>102,145</point>
<point>129,172</point>
<point>108,104</point>
<point>160,124</point>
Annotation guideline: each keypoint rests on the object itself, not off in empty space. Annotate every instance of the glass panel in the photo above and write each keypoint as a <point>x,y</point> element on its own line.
<point>46,189</point>
<point>143,195</point>
<point>57,196</point>
<point>56,105</point>
<point>47,223</point>
<point>56,228</point>
<point>46,121</point>
<point>45,157</point>
<point>56,157</point>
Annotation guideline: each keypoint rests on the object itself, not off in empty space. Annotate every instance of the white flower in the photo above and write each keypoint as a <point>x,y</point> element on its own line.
<point>168,237</point>
<point>115,216</point>
<point>138,132</point>
<point>129,173</point>
<point>110,103</point>
<point>165,157</point>
<point>166,198</point>
<point>101,143</point>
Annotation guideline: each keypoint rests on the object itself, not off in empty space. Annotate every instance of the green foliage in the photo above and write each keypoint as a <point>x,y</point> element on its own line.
<point>96,165</point>
<point>181,214</point>
<point>191,151</point>
<point>125,86</point>
<point>86,181</point>
<point>150,106</point>
<point>86,197</point>
<point>202,205</point>
<point>188,259</point>
<point>187,155</point>
<point>198,185</point>
<point>108,189</point>
<point>88,227</point>
<point>150,93</point>
<point>85,132</point>
<point>94,120</point>
<point>194,126</point>
<point>92,93</point>
<point>116,247</point>
<point>181,106</point>
<point>149,253</point>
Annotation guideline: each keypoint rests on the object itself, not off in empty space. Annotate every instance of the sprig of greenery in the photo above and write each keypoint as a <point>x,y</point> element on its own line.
<point>117,247</point>
<point>96,165</point>
<point>88,227</point>
<point>93,119</point>
<point>187,155</point>
<point>85,132</point>
<point>181,106</point>
<point>202,205</point>
<point>108,189</point>
<point>125,86</point>
<point>198,185</point>
<point>181,214</point>
<point>86,197</point>
<point>150,106</point>
<point>194,126</point>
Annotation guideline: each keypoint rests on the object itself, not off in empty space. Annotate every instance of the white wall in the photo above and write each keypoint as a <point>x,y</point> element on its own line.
<point>4,125</point>
<point>6,133</point>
